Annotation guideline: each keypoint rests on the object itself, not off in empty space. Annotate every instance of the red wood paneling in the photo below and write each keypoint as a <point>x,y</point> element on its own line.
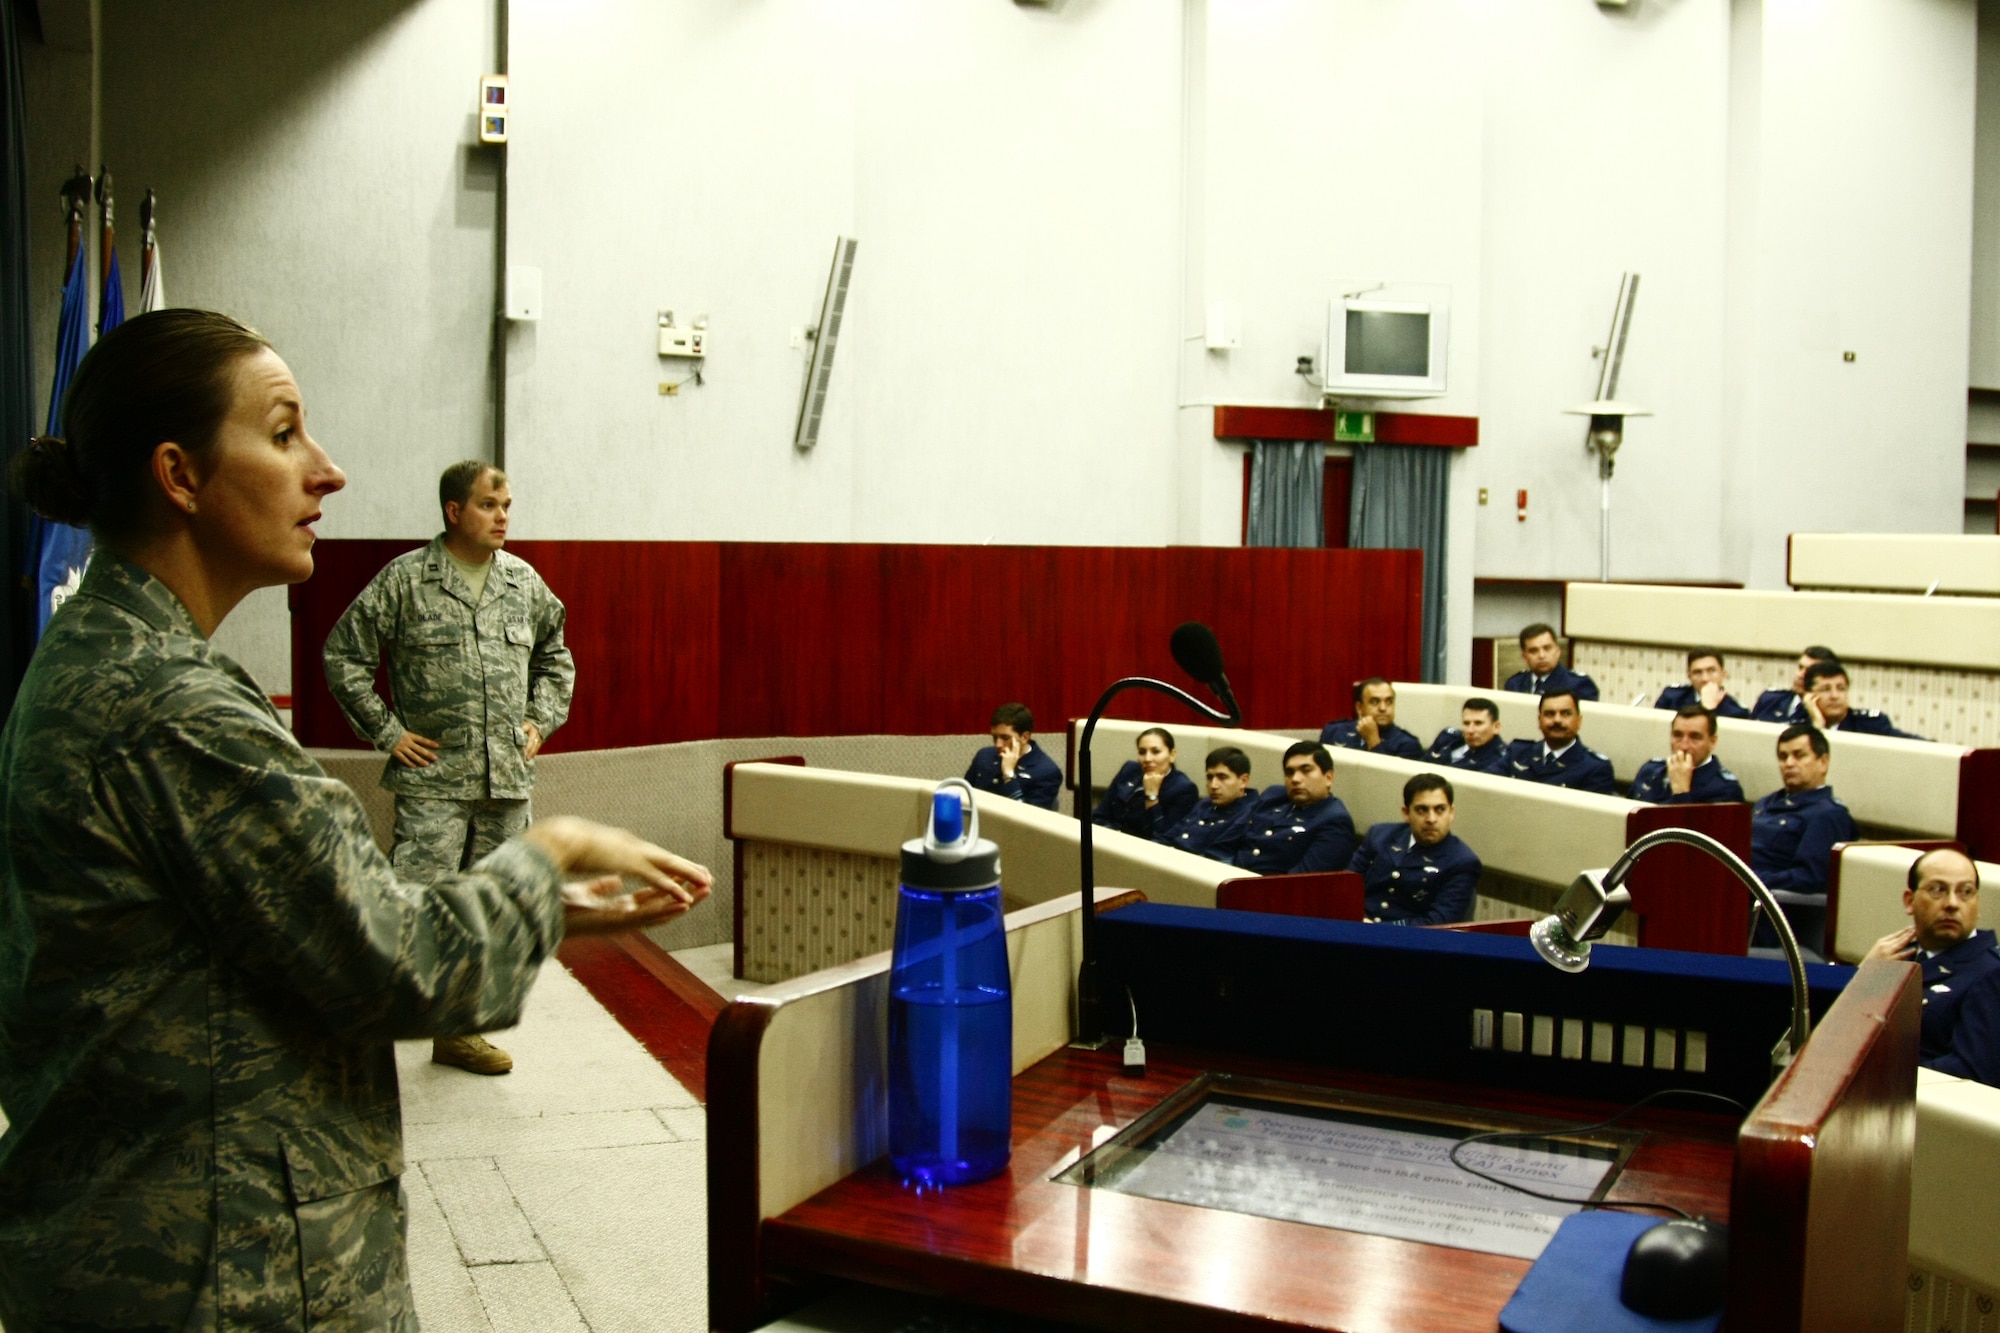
<point>1307,423</point>
<point>1685,899</point>
<point>643,620</point>
<point>1423,428</point>
<point>1979,803</point>
<point>1273,423</point>
<point>1339,494</point>
<point>683,641</point>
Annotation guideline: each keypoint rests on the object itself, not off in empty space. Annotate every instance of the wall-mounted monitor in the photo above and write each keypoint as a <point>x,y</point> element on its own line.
<point>1387,340</point>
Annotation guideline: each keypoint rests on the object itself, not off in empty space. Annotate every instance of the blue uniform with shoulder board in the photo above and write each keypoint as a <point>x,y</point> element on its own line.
<point>1961,1025</point>
<point>1575,766</point>
<point>1124,805</point>
<point>1678,697</point>
<point>1406,883</point>
<point>1451,750</point>
<point>1792,836</point>
<point>1712,783</point>
<point>1037,779</point>
<point>1211,830</point>
<point>1781,706</point>
<point>1561,679</point>
<point>1281,838</point>
<point>1346,735</point>
<point>1873,722</point>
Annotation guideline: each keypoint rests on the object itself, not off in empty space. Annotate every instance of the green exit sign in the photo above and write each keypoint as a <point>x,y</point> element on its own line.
<point>1354,427</point>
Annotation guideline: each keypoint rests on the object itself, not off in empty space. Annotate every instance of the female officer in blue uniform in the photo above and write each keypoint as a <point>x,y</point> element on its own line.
<point>1149,795</point>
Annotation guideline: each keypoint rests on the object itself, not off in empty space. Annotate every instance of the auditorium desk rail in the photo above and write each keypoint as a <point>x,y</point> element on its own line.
<point>1023,1242</point>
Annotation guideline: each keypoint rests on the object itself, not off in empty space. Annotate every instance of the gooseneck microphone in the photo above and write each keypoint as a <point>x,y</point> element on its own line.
<point>1197,653</point>
<point>1195,649</point>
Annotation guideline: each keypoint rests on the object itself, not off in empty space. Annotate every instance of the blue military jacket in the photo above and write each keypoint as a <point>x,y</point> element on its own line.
<point>1680,696</point>
<point>1577,767</point>
<point>1211,830</point>
<point>1712,782</point>
<point>1037,780</point>
<point>1280,838</point>
<point>1451,750</point>
<point>1562,678</point>
<point>1961,1030</point>
<point>1124,803</point>
<point>1395,741</point>
<point>1873,722</point>
<point>1792,836</point>
<point>1779,706</point>
<point>1410,884</point>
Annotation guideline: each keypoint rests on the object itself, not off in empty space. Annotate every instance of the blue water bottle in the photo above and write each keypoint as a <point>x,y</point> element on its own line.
<point>951,1011</point>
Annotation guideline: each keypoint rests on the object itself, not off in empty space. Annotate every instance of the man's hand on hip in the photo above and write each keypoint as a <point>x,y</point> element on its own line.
<point>532,740</point>
<point>414,751</point>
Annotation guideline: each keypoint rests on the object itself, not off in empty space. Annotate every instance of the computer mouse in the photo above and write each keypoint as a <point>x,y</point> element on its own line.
<point>1676,1270</point>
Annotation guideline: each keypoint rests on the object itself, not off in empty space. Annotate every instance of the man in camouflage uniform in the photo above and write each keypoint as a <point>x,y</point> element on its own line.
<point>203,961</point>
<point>480,679</point>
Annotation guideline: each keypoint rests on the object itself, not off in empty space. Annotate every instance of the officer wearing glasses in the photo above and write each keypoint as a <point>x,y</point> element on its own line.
<point>1961,1027</point>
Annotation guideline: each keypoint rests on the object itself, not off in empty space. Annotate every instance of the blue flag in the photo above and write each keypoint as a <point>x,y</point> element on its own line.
<point>111,301</point>
<point>57,552</point>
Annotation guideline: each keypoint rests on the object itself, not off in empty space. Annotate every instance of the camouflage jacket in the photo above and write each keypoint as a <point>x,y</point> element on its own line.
<point>203,961</point>
<point>465,676</point>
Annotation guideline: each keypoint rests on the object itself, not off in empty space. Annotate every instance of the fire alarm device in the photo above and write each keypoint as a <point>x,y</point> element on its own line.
<point>1521,506</point>
<point>493,109</point>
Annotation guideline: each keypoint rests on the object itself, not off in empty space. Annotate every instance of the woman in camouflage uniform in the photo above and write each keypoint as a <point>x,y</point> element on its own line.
<point>203,956</point>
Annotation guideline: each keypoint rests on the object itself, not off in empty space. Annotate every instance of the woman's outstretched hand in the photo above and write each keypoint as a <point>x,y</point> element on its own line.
<point>597,860</point>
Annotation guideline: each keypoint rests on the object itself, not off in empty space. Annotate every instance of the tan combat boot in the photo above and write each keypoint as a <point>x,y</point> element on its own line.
<point>475,1054</point>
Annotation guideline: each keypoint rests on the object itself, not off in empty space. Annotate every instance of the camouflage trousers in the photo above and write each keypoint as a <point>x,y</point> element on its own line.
<point>437,836</point>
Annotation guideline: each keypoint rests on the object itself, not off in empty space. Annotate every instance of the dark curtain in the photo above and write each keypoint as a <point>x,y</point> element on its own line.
<point>17,359</point>
<point>1402,500</point>
<point>1287,493</point>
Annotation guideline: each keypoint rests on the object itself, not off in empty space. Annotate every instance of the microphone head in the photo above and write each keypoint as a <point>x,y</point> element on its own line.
<point>1196,650</point>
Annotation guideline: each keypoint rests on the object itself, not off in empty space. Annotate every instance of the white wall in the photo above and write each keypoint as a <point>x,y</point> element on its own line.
<point>1007,357</point>
<point>1045,199</point>
<point>318,178</point>
<point>1985,359</point>
<point>1852,224</point>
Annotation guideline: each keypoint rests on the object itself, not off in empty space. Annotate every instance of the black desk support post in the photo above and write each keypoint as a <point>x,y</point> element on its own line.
<point>1195,649</point>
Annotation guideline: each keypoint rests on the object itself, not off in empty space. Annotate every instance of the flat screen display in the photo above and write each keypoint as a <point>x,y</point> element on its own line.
<point>1380,1170</point>
<point>1388,342</point>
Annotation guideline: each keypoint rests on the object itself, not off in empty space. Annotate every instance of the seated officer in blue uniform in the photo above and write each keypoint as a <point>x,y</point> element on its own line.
<point>1014,766</point>
<point>1707,685</point>
<point>1789,706</point>
<point>1559,759</point>
<point>1826,703</point>
<point>1475,743</point>
<point>1792,831</point>
<point>1415,871</point>
<point>1149,795</point>
<point>1301,826</point>
<point>1690,773</point>
<point>1215,826</point>
<point>1545,671</point>
<point>1961,966</point>
<point>1373,726</point>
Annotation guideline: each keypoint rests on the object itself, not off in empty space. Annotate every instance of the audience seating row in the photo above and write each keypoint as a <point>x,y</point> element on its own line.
<point>1864,895</point>
<point>1894,788</point>
<point>1952,564</point>
<point>1531,840</point>
<point>1929,662</point>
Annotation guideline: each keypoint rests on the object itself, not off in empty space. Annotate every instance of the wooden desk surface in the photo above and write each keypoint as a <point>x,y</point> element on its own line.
<point>1095,1256</point>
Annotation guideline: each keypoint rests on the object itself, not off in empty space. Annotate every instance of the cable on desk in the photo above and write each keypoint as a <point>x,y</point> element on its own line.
<point>1567,1130</point>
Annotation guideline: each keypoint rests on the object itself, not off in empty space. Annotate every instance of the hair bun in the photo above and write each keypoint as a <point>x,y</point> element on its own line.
<point>48,476</point>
